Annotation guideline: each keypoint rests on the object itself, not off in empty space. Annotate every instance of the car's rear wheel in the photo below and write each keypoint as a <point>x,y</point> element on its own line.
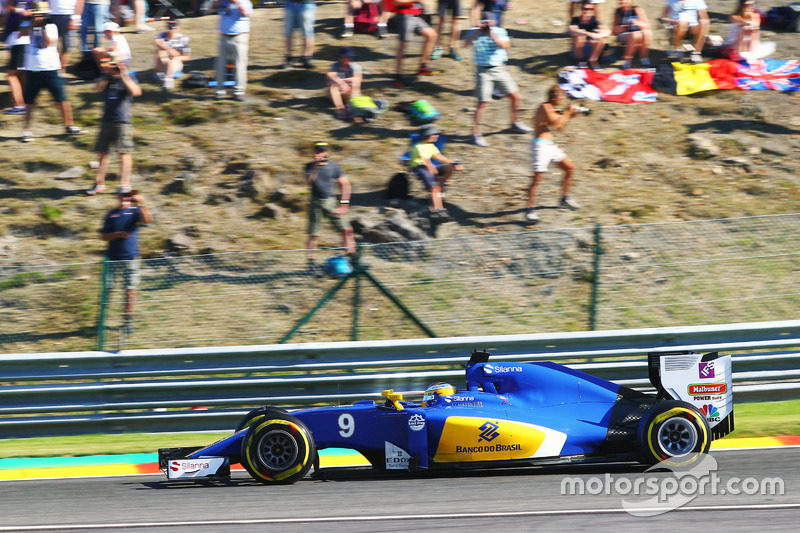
<point>264,410</point>
<point>673,431</point>
<point>278,449</point>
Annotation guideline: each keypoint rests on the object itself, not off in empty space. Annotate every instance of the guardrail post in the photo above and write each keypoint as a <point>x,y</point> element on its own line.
<point>598,251</point>
<point>101,316</point>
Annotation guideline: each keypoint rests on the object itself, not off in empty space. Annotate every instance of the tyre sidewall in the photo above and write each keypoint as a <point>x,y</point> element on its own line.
<point>268,425</point>
<point>260,412</point>
<point>654,420</point>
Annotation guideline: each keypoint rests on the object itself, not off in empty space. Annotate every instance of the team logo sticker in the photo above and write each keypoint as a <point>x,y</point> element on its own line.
<point>416,422</point>
<point>488,432</point>
<point>706,370</point>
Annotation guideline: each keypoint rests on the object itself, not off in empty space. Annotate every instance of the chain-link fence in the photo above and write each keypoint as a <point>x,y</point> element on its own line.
<point>705,272</point>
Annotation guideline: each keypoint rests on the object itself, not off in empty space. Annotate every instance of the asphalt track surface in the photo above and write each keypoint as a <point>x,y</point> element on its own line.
<point>522,499</point>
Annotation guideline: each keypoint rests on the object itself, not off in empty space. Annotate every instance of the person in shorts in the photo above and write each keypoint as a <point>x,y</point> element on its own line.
<point>67,18</point>
<point>409,23</point>
<point>423,158</point>
<point>300,15</point>
<point>544,150</point>
<point>172,50</point>
<point>120,230</point>
<point>320,175</point>
<point>687,16</point>
<point>454,8</point>
<point>116,131</point>
<point>14,13</point>
<point>344,81</point>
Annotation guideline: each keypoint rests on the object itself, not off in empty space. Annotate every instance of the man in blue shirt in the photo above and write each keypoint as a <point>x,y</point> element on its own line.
<point>120,230</point>
<point>234,39</point>
<point>490,44</point>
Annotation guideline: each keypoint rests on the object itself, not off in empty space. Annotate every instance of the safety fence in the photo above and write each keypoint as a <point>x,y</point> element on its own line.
<point>211,388</point>
<point>569,279</point>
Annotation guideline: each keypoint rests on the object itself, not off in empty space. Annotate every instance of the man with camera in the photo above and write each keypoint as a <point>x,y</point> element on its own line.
<point>491,44</point>
<point>116,131</point>
<point>43,65</point>
<point>544,150</point>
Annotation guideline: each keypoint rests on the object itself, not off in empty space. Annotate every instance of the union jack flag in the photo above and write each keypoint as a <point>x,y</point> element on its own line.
<point>769,74</point>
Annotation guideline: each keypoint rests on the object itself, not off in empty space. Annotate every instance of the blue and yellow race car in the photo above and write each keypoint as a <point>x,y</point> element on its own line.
<point>509,413</point>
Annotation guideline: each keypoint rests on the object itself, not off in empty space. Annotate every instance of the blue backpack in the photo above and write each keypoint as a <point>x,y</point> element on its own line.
<point>338,266</point>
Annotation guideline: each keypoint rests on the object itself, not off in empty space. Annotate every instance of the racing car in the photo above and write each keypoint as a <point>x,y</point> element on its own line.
<point>509,413</point>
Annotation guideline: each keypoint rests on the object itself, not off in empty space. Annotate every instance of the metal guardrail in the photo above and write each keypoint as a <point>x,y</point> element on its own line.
<point>210,388</point>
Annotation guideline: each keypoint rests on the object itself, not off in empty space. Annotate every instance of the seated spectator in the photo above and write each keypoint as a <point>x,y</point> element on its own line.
<point>116,49</point>
<point>352,9</point>
<point>172,49</point>
<point>633,30</point>
<point>687,16</point>
<point>574,8</point>
<point>344,81</point>
<point>422,158</point>
<point>586,29</point>
<point>744,39</point>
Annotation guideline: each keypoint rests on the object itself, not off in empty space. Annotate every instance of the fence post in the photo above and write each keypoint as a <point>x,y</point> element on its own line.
<point>598,251</point>
<point>356,293</point>
<point>101,317</point>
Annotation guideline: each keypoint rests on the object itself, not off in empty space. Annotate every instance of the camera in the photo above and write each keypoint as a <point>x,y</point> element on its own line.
<point>582,110</point>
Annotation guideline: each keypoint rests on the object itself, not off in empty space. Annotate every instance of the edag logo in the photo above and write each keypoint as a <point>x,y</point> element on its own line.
<point>711,412</point>
<point>488,432</point>
<point>697,389</point>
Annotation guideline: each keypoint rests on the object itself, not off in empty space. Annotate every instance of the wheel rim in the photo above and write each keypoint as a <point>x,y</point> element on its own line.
<point>677,436</point>
<point>277,450</point>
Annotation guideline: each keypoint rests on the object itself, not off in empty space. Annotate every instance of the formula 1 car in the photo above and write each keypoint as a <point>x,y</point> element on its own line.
<point>509,413</point>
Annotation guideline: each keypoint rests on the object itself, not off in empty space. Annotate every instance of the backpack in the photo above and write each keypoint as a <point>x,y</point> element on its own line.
<point>365,107</point>
<point>195,80</point>
<point>422,112</point>
<point>784,17</point>
<point>397,188</point>
<point>337,266</point>
<point>366,20</point>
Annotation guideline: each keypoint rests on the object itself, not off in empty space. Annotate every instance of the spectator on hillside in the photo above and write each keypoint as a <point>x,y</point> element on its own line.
<point>14,12</point>
<point>495,7</point>
<point>234,40</point>
<point>344,81</point>
<point>320,176</point>
<point>633,30</point>
<point>423,158</point>
<point>491,44</point>
<point>587,30</point>
<point>744,38</point>
<point>544,150</point>
<point>95,15</point>
<point>116,49</point>
<point>43,66</point>
<point>67,18</point>
<point>687,16</point>
<point>119,89</point>
<point>300,15</point>
<point>139,10</point>
<point>351,10</point>
<point>574,8</point>
<point>120,230</point>
<point>172,49</point>
<point>410,23</point>
<point>454,8</point>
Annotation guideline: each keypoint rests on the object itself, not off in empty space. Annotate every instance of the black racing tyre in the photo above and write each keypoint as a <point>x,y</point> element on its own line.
<point>278,449</point>
<point>257,413</point>
<point>673,431</point>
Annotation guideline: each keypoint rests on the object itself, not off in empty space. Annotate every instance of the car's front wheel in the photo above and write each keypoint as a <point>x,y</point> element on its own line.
<point>278,449</point>
<point>673,431</point>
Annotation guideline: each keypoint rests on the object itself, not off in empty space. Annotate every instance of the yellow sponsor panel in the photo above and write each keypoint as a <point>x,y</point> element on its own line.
<point>484,439</point>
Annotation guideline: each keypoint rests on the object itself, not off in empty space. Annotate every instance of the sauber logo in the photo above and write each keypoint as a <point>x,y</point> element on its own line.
<point>187,466</point>
<point>488,432</point>
<point>697,389</point>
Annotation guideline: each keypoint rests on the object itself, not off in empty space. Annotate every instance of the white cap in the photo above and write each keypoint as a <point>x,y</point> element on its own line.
<point>110,26</point>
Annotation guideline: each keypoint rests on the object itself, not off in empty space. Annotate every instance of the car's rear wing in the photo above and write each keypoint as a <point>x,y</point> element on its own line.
<point>704,381</point>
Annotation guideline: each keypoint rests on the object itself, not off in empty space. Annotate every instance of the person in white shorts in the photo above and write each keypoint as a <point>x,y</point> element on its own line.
<point>687,16</point>
<point>544,150</point>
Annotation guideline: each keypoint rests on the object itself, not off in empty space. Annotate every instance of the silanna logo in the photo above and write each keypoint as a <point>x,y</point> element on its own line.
<point>500,369</point>
<point>188,466</point>
<point>488,432</point>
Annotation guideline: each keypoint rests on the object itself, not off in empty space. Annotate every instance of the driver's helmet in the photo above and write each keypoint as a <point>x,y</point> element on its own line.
<point>436,390</point>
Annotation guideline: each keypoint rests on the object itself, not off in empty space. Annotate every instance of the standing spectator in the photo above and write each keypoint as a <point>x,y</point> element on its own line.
<point>495,7</point>
<point>344,81</point>
<point>67,17</point>
<point>633,30</point>
<point>352,8</point>
<point>454,7</point>
<point>95,15</point>
<point>687,16</point>
<point>491,44</point>
<point>587,30</point>
<point>14,12</point>
<point>119,89</point>
<point>139,8</point>
<point>43,65</point>
<point>120,230</point>
<point>172,49</point>
<point>423,158</point>
<point>409,23</point>
<point>574,8</point>
<point>544,150</point>
<point>234,39</point>
<point>320,175</point>
<point>300,15</point>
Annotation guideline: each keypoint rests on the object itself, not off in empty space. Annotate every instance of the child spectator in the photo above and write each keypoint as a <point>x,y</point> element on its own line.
<point>490,44</point>
<point>586,29</point>
<point>422,158</point>
<point>344,81</point>
<point>119,89</point>
<point>454,8</point>
<point>172,49</point>
<point>116,49</point>
<point>43,66</point>
<point>633,30</point>
<point>687,16</point>
<point>409,23</point>
<point>300,15</point>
